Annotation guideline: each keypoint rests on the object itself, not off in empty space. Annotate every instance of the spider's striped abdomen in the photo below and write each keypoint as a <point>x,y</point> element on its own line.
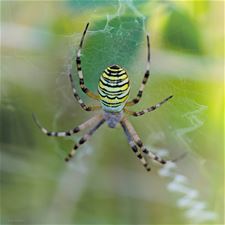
<point>113,88</point>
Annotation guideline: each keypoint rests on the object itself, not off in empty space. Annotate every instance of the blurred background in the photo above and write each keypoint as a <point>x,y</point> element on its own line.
<point>105,183</point>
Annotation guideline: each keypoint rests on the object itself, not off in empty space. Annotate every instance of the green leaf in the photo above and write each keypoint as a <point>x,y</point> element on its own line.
<point>118,44</point>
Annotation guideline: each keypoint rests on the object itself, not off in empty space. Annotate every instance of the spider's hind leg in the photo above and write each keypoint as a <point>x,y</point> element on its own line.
<point>79,69</point>
<point>80,101</point>
<point>145,79</point>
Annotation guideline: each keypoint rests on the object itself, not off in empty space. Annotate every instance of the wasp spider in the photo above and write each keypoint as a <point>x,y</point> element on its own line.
<point>113,91</point>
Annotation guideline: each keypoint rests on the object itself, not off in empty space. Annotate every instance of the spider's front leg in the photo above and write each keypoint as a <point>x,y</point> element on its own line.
<point>86,137</point>
<point>134,147</point>
<point>77,129</point>
<point>139,143</point>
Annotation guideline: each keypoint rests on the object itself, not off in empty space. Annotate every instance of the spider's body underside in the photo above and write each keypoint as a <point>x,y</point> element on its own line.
<point>113,92</point>
<point>112,119</point>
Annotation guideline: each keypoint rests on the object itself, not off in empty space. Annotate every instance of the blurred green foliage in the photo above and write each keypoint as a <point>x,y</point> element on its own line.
<point>181,33</point>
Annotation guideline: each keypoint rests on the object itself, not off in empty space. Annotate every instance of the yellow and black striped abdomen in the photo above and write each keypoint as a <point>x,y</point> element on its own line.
<point>113,88</point>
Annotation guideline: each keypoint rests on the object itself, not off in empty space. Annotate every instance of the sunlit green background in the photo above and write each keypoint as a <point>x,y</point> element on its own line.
<point>105,183</point>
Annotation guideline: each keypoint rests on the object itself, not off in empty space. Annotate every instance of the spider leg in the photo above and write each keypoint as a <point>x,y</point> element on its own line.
<point>77,129</point>
<point>80,101</point>
<point>152,108</point>
<point>139,143</point>
<point>79,69</point>
<point>134,147</point>
<point>86,137</point>
<point>145,79</point>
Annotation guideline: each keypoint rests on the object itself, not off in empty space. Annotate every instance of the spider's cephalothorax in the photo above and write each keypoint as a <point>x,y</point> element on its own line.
<point>113,88</point>
<point>113,92</point>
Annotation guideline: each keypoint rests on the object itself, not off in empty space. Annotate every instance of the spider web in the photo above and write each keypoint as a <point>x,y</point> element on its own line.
<point>118,37</point>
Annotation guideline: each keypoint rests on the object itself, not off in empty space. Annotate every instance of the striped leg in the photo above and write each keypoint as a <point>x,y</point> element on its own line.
<point>145,79</point>
<point>134,147</point>
<point>83,126</point>
<point>86,137</point>
<point>139,143</point>
<point>80,101</point>
<point>152,108</point>
<point>79,69</point>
